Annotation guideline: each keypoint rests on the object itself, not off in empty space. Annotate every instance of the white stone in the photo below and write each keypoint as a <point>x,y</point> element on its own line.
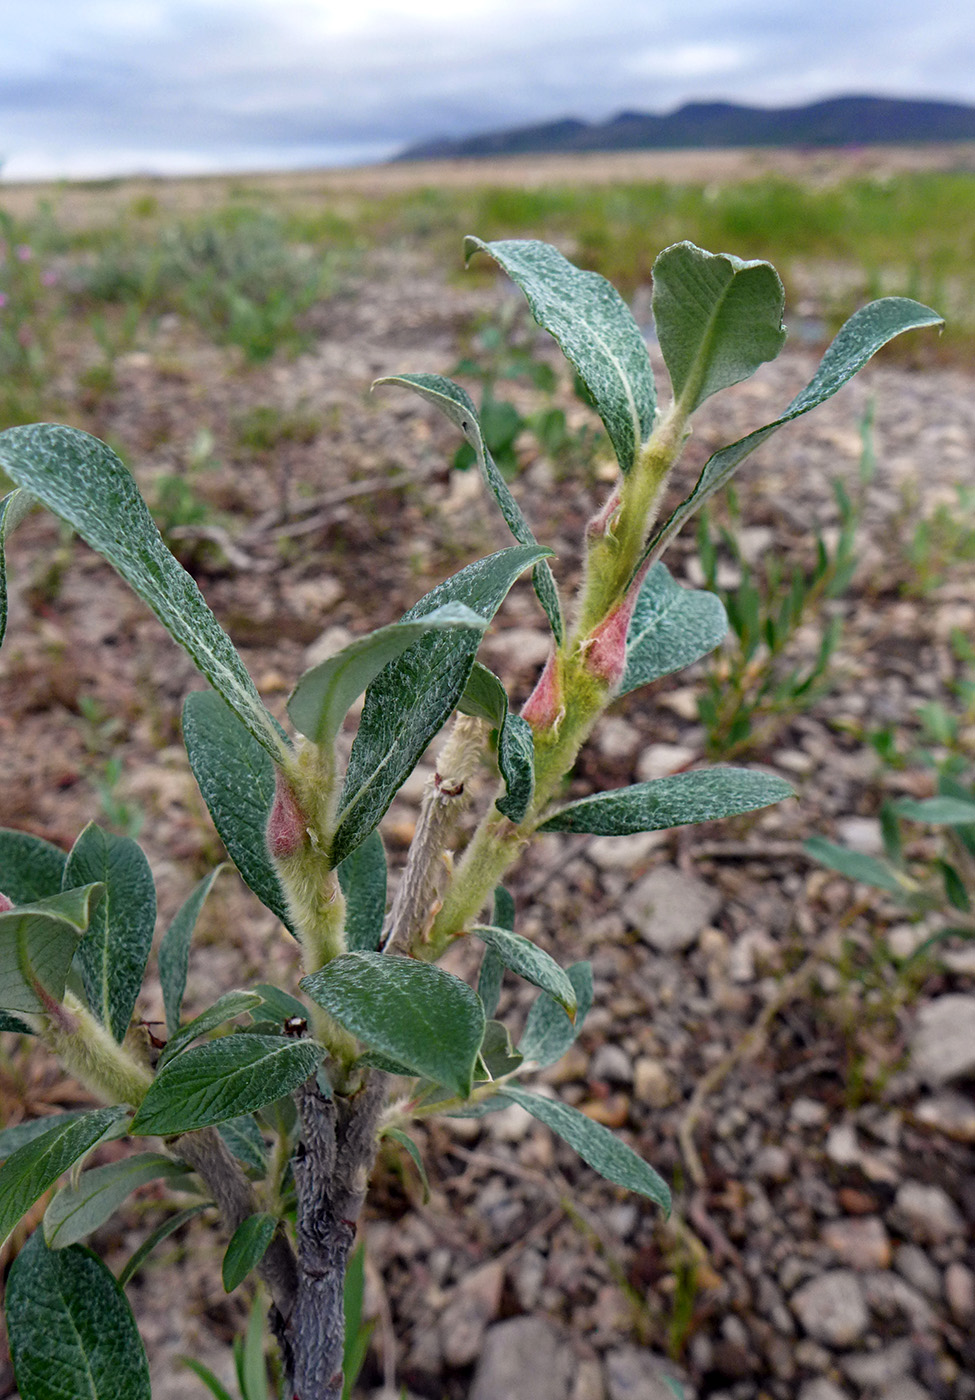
<point>832,1309</point>
<point>669,909</point>
<point>861,834</point>
<point>633,1373</point>
<point>524,1358</point>
<point>660,760</point>
<point>928,1212</point>
<point>625,852</point>
<point>943,1047</point>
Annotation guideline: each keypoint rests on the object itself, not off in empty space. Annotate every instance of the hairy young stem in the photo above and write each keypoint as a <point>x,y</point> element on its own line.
<point>91,1053</point>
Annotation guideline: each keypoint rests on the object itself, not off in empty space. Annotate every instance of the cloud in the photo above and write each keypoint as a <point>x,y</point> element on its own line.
<point>229,76</point>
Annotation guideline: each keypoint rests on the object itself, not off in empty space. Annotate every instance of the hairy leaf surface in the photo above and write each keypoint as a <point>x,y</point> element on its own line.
<point>30,869</point>
<point>36,1166</point>
<point>672,627</point>
<point>702,796</point>
<point>37,944</point>
<point>174,950</point>
<point>85,1205</point>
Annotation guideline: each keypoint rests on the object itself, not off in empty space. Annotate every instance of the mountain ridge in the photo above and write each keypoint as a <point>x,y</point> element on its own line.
<point>837,121</point>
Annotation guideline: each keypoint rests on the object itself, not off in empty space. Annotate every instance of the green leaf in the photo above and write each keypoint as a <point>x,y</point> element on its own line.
<point>671,627</point>
<point>548,1030</point>
<point>938,811</point>
<point>236,778</point>
<point>702,796</point>
<point>324,695</point>
<point>407,1142</point>
<point>36,1166</point>
<point>223,1079</point>
<point>249,1355</point>
<point>72,1333</point>
<point>357,1332</point>
<point>498,1055</point>
<point>529,961</point>
<point>595,331</point>
<point>203,1373</point>
<point>86,1204</point>
<point>421,1016</point>
<point>861,337</point>
<point>280,1004</point>
<point>855,865</point>
<point>457,405</point>
<point>174,950</point>
<point>485,698</point>
<point>603,1151</point>
<point>159,1234</point>
<point>13,509</point>
<point>113,953</point>
<point>225,1008</point>
<point>19,1134</point>
<point>247,1247</point>
<point>82,480</point>
<point>412,697</point>
<point>245,1140</point>
<point>492,968</point>
<point>717,319</point>
<point>30,869</point>
<point>362,876</point>
<point>37,943</point>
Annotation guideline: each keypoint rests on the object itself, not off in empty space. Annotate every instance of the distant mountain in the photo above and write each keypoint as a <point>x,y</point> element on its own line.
<point>838,121</point>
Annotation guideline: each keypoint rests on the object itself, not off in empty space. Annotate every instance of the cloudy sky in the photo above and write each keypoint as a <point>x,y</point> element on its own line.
<point>93,87</point>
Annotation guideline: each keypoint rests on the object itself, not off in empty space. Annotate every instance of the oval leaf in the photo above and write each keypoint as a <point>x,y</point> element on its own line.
<point>223,1079</point>
<point>236,778</point>
<point>603,1151</point>
<point>324,695</point>
<point>855,865</point>
<point>671,627</point>
<point>457,405</point>
<point>37,944</point>
<point>938,811</point>
<point>412,697</point>
<point>36,1166</point>
<point>362,876</point>
<point>114,950</point>
<point>72,1333</point>
<point>702,796</point>
<point>596,332</point>
<point>30,869</point>
<point>548,1030</point>
<point>247,1247</point>
<point>717,319</point>
<point>18,1134</point>
<point>861,337</point>
<point>529,961</point>
<point>174,950</point>
<point>419,1015</point>
<point>81,480</point>
<point>83,1206</point>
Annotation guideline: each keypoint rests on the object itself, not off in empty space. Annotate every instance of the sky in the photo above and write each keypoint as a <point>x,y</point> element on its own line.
<point>105,87</point>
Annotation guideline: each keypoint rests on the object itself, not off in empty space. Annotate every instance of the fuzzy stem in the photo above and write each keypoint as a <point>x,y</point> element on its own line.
<point>92,1055</point>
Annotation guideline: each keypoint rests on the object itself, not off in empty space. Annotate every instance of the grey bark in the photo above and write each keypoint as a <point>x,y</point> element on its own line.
<point>331,1168</point>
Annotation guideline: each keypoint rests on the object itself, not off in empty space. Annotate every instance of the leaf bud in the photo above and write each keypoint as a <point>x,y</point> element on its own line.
<point>544,708</point>
<point>287,827</point>
<point>5,902</point>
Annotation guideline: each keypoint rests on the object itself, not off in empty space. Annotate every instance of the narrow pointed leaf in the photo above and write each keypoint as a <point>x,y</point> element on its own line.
<point>855,865</point>
<point>236,778</point>
<point>81,480</point>
<point>527,960</point>
<point>114,950</point>
<point>247,1247</point>
<point>861,337</point>
<point>162,1232</point>
<point>13,508</point>
<point>548,1030</point>
<point>938,811</point>
<point>72,1333</point>
<point>324,695</point>
<point>718,318</point>
<point>37,944</point>
<point>362,876</point>
<point>19,1134</point>
<point>419,1015</point>
<point>498,1055</point>
<point>491,973</point>
<point>702,796</point>
<point>405,1141</point>
<point>595,331</point>
<point>457,405</point>
<point>174,950</point>
<point>223,1079</point>
<point>225,1008</point>
<point>30,869</point>
<point>603,1150</point>
<point>203,1373</point>
<point>485,698</point>
<point>278,1004</point>
<point>412,697</point>
<point>671,627</point>
<point>36,1166</point>
<point>83,1206</point>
